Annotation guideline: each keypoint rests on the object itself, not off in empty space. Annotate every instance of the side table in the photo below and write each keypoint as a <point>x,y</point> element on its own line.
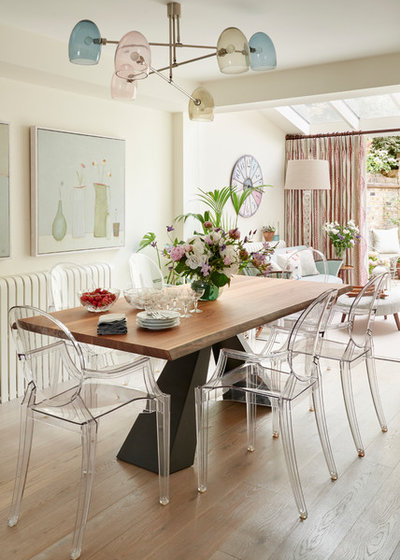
<point>346,273</point>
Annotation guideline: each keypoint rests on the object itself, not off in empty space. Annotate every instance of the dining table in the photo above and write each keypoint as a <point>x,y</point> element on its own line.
<point>247,303</point>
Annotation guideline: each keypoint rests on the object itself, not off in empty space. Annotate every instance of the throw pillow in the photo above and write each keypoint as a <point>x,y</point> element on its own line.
<point>386,240</point>
<point>308,267</point>
<point>291,264</point>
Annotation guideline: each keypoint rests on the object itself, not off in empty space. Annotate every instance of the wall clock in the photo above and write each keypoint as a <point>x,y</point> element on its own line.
<point>246,173</point>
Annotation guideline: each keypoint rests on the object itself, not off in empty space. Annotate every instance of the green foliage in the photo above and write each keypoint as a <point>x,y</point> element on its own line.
<point>382,156</point>
<point>147,239</point>
<point>216,201</point>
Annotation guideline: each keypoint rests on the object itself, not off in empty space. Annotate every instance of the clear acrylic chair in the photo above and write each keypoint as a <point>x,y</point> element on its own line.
<point>74,396</point>
<point>144,272</point>
<point>357,348</point>
<point>65,281</point>
<point>259,376</point>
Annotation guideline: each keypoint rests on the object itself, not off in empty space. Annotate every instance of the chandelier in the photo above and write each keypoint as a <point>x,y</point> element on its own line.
<point>132,60</point>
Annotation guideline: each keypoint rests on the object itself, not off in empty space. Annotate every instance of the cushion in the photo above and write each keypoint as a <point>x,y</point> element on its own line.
<point>307,261</point>
<point>386,240</point>
<point>274,267</point>
<point>290,263</point>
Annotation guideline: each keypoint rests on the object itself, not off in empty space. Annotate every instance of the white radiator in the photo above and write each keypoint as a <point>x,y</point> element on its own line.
<point>32,289</point>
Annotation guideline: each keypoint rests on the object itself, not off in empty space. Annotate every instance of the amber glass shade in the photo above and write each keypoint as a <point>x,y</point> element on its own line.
<point>233,51</point>
<point>132,57</point>
<point>205,110</point>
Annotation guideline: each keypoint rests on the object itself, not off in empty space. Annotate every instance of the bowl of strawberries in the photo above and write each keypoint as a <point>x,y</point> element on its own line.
<point>98,300</point>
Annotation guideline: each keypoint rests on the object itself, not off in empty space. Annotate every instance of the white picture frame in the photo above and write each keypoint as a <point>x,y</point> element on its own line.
<point>5,249</point>
<point>78,191</point>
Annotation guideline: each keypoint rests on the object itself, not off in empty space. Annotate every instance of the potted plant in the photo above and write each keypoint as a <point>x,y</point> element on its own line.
<point>268,232</point>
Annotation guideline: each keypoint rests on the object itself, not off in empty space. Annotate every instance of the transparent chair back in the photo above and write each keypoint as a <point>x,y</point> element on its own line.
<point>59,389</point>
<point>66,280</point>
<point>144,272</point>
<point>365,304</point>
<point>292,269</point>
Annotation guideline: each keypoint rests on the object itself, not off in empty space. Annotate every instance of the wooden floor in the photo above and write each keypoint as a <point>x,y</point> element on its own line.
<point>248,512</point>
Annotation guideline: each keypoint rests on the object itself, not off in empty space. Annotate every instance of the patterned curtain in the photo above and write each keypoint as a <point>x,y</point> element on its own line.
<point>344,201</point>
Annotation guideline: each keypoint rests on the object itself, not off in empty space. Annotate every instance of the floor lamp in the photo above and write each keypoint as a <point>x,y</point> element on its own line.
<point>307,175</point>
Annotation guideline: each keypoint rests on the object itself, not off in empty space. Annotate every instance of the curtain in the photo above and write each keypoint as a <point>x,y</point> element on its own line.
<point>345,200</point>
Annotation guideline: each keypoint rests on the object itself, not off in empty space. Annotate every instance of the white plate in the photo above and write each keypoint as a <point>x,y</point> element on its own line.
<point>164,316</point>
<point>158,327</point>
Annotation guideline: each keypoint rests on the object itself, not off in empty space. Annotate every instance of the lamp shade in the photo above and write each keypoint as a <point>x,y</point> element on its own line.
<point>233,51</point>
<point>307,174</point>
<point>81,47</point>
<point>262,52</point>
<point>123,89</point>
<point>132,57</point>
<point>205,110</point>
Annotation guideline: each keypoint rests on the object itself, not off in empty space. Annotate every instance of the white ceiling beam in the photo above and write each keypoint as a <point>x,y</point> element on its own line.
<point>346,113</point>
<point>294,118</point>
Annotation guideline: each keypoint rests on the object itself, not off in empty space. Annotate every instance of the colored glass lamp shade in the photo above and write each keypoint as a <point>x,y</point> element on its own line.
<point>132,57</point>
<point>82,48</point>
<point>262,52</point>
<point>204,111</point>
<point>233,52</point>
<point>124,90</point>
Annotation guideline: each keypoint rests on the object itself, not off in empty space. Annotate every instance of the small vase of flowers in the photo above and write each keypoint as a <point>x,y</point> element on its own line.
<point>342,236</point>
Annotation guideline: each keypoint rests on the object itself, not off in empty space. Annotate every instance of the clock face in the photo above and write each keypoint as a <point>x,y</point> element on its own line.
<point>246,174</point>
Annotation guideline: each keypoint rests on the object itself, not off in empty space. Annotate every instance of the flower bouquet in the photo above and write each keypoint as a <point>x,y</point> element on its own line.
<point>342,237</point>
<point>213,257</point>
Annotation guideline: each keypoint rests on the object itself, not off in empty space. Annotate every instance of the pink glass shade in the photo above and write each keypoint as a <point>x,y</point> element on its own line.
<point>233,52</point>
<point>132,57</point>
<point>123,89</point>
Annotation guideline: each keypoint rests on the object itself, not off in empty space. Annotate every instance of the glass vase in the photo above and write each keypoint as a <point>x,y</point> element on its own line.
<point>211,291</point>
<point>339,252</point>
<point>59,226</point>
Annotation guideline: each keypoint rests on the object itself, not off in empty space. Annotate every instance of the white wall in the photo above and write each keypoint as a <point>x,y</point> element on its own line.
<point>218,145</point>
<point>149,167</point>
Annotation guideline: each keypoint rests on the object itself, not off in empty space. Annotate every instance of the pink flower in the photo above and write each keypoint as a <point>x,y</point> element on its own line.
<point>177,253</point>
<point>234,233</point>
<point>208,240</point>
<point>205,269</point>
<point>227,261</point>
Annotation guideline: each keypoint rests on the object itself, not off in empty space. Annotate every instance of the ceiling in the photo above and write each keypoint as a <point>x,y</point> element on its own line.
<point>307,33</point>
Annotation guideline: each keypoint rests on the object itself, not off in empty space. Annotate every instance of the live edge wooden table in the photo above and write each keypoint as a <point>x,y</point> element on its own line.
<point>249,302</point>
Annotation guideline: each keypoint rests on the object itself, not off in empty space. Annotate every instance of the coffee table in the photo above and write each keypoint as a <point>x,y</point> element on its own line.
<point>389,305</point>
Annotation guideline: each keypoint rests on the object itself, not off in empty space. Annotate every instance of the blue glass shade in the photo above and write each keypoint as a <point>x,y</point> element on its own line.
<point>81,47</point>
<point>262,52</point>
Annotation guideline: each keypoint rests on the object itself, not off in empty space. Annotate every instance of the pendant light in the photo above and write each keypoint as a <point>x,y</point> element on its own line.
<point>233,51</point>
<point>203,110</point>
<point>262,52</point>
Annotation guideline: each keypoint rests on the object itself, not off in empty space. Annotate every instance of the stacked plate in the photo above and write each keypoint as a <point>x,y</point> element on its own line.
<point>157,320</point>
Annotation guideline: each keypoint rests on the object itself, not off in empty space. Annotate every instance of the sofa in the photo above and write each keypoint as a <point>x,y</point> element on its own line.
<point>279,259</point>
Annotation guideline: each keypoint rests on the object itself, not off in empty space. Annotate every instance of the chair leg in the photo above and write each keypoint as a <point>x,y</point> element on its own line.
<point>285,417</point>
<point>24,453</point>
<point>347,389</point>
<point>89,441</point>
<point>163,445</point>
<point>320,418</point>
<point>275,380</point>
<point>373,385</point>
<point>251,407</point>
<point>202,399</point>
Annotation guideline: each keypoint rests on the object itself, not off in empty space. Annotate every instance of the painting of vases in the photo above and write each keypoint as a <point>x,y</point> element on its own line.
<point>91,172</point>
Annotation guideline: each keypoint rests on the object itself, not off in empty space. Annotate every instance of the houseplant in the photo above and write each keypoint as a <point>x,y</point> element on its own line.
<point>268,232</point>
<point>342,236</point>
<point>383,155</point>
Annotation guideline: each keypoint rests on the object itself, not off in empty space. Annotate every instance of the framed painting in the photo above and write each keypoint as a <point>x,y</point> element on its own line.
<point>78,191</point>
<point>4,191</point>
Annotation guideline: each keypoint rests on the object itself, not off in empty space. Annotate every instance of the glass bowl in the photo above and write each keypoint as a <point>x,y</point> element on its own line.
<point>139,298</point>
<point>98,300</point>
